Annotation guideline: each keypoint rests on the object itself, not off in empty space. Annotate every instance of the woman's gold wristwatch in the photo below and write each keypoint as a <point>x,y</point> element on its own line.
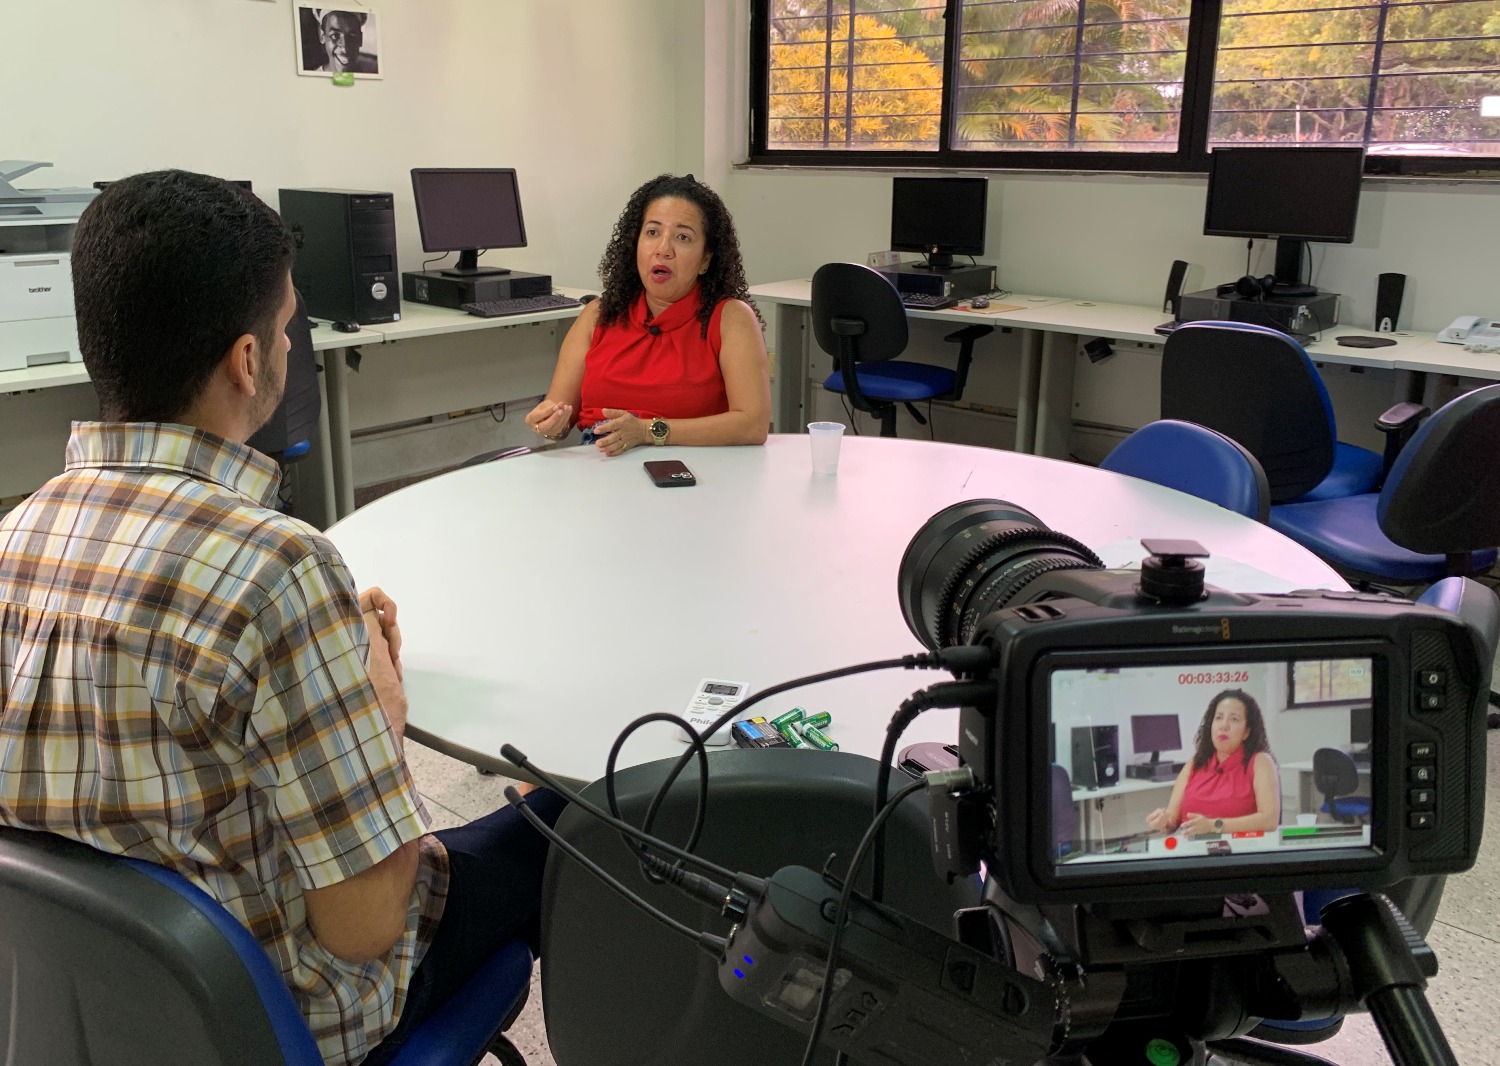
<point>659,430</point>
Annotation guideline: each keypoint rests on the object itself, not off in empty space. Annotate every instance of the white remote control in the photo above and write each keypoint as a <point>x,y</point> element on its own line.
<point>708,704</point>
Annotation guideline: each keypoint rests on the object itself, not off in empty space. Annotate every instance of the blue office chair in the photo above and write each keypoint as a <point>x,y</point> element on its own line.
<point>112,960</point>
<point>1197,461</point>
<point>1438,514</point>
<point>858,318</point>
<point>1257,386</point>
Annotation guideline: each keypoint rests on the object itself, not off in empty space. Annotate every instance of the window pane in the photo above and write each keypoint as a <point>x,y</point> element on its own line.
<point>1395,75</point>
<point>1052,76</point>
<point>855,75</point>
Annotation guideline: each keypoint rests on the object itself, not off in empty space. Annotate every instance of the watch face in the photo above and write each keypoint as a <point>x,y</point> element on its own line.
<point>659,429</point>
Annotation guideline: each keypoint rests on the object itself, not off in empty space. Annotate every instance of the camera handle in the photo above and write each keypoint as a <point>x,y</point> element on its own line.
<point>1378,951</point>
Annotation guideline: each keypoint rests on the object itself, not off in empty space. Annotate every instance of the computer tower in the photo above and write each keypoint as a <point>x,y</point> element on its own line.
<point>1096,756</point>
<point>296,418</point>
<point>346,253</point>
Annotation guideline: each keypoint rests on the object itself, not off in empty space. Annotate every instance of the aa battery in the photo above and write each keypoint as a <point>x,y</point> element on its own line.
<point>816,737</point>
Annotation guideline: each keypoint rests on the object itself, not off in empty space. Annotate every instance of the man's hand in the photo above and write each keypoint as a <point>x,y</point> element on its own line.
<point>379,612</point>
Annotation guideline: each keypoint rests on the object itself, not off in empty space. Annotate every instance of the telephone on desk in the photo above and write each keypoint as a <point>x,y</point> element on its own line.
<point>1474,333</point>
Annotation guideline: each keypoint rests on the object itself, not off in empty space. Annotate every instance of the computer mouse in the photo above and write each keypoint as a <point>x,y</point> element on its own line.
<point>588,298</point>
<point>346,327</point>
<point>979,303</point>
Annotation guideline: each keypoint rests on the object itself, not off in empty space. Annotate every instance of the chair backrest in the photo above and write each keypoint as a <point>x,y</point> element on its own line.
<point>1334,773</point>
<point>1442,496</point>
<point>621,990</point>
<point>1256,386</point>
<point>1197,461</point>
<point>111,960</point>
<point>857,309</point>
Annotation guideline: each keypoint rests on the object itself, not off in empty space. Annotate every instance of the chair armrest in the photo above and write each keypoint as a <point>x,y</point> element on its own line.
<point>1401,417</point>
<point>1398,423</point>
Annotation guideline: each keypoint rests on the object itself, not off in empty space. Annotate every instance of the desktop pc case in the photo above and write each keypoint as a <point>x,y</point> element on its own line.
<point>1096,756</point>
<point>1279,312</point>
<point>346,253</point>
<point>445,290</point>
<point>959,282</point>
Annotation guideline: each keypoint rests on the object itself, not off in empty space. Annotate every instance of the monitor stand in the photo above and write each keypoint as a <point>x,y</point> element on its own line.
<point>468,266</point>
<point>1289,253</point>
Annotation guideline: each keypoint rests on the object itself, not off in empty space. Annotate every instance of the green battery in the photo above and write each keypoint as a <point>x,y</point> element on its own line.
<point>791,717</point>
<point>794,738</point>
<point>821,720</point>
<point>817,738</point>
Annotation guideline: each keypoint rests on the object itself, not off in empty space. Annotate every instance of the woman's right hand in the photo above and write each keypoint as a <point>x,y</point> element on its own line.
<point>551,419</point>
<point>1160,820</point>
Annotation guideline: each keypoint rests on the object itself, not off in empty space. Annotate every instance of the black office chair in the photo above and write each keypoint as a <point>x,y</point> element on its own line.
<point>1335,776</point>
<point>1257,386</point>
<point>622,990</point>
<point>105,959</point>
<point>858,318</point>
<point>1438,514</point>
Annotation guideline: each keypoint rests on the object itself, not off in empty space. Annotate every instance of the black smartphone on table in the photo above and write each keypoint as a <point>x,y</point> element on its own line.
<point>670,473</point>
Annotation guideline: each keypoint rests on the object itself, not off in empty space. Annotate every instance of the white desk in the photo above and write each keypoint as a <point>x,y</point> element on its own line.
<point>549,599</point>
<point>417,321</point>
<point>1050,330</point>
<point>1098,819</point>
<point>335,437</point>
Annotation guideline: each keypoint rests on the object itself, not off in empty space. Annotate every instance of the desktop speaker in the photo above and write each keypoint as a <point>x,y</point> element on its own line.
<point>1096,756</point>
<point>1174,286</point>
<point>346,253</point>
<point>1388,292</point>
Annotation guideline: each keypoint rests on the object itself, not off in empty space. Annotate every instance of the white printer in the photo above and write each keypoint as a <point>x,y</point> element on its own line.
<point>36,282</point>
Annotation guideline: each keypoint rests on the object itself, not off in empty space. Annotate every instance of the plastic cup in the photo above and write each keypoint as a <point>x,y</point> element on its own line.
<point>1307,819</point>
<point>825,437</point>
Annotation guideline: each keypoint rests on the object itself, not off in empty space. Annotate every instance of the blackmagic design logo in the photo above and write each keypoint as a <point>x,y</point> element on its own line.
<point>1221,629</point>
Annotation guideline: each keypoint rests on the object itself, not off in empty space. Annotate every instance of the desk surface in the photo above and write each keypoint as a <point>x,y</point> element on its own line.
<point>1133,322</point>
<point>427,320</point>
<point>548,600</point>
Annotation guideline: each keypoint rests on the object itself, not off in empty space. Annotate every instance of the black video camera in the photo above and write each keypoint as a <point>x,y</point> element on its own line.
<point>1269,694</point>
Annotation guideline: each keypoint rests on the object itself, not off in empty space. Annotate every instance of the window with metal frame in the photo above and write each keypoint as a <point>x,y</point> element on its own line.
<point>1124,84</point>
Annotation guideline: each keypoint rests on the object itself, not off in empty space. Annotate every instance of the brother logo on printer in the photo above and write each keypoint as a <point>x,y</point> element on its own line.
<point>41,288</point>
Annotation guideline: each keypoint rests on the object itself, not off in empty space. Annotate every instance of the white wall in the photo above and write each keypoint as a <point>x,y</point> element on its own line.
<point>580,96</point>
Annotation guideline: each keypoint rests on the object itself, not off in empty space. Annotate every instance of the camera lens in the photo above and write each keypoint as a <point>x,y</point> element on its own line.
<point>973,558</point>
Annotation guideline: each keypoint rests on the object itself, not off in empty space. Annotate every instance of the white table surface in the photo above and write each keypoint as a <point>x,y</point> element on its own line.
<point>547,600</point>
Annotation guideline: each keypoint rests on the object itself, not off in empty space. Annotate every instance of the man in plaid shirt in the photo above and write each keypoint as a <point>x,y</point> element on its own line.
<point>189,676</point>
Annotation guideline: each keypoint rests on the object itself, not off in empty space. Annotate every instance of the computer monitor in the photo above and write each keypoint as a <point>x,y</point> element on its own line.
<point>939,217</point>
<point>1155,733</point>
<point>1293,194</point>
<point>468,211</point>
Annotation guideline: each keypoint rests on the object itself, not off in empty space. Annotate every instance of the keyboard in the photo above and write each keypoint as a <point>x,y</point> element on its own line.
<point>924,301</point>
<point>521,305</point>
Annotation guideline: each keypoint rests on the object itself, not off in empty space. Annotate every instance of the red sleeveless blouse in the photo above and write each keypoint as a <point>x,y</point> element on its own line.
<point>1221,790</point>
<point>660,367</point>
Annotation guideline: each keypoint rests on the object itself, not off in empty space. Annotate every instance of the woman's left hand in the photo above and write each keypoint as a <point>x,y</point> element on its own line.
<point>619,432</point>
<point>1196,825</point>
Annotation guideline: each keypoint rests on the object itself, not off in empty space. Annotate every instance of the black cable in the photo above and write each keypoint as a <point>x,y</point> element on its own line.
<point>695,748</point>
<point>841,912</point>
<point>520,759</point>
<point>1249,248</point>
<point>943,694</point>
<point>931,660</point>
<point>434,259</point>
<point>707,941</point>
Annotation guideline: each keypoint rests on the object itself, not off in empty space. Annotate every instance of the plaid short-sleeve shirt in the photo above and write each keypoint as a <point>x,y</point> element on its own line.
<point>183,680</point>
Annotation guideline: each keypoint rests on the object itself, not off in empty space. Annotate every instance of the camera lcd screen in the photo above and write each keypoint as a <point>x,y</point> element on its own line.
<point>1211,760</point>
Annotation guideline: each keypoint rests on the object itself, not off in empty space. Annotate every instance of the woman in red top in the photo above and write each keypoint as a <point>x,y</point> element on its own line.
<point>671,352</point>
<point>1230,786</point>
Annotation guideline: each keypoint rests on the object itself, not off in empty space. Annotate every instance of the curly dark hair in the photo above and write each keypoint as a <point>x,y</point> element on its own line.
<point>725,276</point>
<point>1255,722</point>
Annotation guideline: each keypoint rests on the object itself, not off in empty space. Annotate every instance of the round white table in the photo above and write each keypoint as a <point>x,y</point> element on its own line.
<point>547,600</point>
